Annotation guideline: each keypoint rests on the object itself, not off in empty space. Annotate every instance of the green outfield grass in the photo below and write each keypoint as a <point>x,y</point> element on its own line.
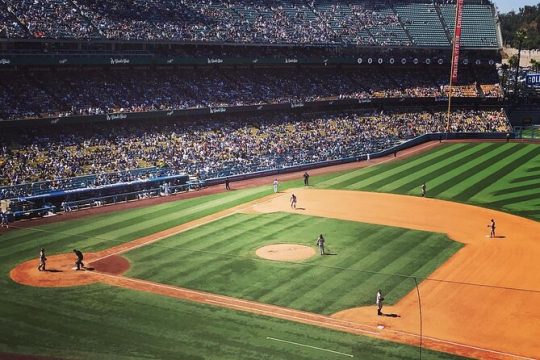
<point>532,132</point>
<point>500,176</point>
<point>219,257</point>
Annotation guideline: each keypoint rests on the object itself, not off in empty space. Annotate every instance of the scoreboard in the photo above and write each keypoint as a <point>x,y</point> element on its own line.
<point>533,79</point>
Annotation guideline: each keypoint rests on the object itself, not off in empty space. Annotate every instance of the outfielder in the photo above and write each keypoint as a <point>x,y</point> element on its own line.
<point>423,189</point>
<point>42,260</point>
<point>320,244</point>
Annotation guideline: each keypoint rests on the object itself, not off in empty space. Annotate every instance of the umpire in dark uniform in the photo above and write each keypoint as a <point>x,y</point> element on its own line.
<point>306,179</point>
<point>79,263</point>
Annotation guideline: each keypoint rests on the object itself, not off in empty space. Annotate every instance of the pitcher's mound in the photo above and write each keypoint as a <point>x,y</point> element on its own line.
<point>285,252</point>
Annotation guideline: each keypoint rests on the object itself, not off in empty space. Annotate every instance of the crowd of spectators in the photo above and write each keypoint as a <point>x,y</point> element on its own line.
<point>51,19</point>
<point>359,22</point>
<point>294,21</point>
<point>210,149</point>
<point>99,91</point>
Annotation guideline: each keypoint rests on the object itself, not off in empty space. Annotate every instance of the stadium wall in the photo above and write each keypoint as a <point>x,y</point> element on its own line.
<point>339,104</point>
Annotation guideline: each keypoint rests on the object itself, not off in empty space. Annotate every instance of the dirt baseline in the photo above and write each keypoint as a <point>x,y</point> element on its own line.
<point>500,325</point>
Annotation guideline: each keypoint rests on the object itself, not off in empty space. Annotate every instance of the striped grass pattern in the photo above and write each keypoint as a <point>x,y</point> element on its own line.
<point>219,258</point>
<point>499,176</point>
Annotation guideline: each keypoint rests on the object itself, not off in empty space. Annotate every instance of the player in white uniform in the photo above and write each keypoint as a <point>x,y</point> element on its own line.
<point>379,302</point>
<point>42,260</point>
<point>275,186</point>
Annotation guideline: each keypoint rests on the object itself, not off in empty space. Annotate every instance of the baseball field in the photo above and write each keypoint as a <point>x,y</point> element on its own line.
<point>190,279</point>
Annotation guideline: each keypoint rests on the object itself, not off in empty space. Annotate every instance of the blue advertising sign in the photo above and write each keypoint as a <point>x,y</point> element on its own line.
<point>533,79</point>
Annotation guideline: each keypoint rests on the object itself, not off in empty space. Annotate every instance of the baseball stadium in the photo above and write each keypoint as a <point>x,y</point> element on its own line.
<point>275,179</point>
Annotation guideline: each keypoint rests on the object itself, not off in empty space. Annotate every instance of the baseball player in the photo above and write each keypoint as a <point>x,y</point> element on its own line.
<point>423,189</point>
<point>379,301</point>
<point>42,260</point>
<point>320,244</point>
<point>275,186</point>
<point>79,263</point>
<point>492,226</point>
<point>227,184</point>
<point>293,201</point>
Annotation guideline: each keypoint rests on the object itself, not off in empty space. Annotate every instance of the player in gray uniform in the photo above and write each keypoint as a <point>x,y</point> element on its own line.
<point>320,243</point>
<point>293,201</point>
<point>42,260</point>
<point>379,301</point>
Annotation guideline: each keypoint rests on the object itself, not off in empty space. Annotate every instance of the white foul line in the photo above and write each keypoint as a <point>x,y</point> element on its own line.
<point>271,312</point>
<point>288,317</point>
<point>309,346</point>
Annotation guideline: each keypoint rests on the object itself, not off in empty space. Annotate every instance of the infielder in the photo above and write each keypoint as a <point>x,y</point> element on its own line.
<point>492,226</point>
<point>293,201</point>
<point>42,260</point>
<point>379,301</point>
<point>275,186</point>
<point>423,189</point>
<point>320,244</point>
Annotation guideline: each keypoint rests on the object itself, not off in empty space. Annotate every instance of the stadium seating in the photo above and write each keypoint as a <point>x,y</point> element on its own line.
<point>90,92</point>
<point>314,22</point>
<point>423,23</point>
<point>476,32</point>
<point>38,160</point>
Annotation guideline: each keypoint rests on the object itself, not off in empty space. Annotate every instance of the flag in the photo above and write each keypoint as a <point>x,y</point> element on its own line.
<point>457,38</point>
